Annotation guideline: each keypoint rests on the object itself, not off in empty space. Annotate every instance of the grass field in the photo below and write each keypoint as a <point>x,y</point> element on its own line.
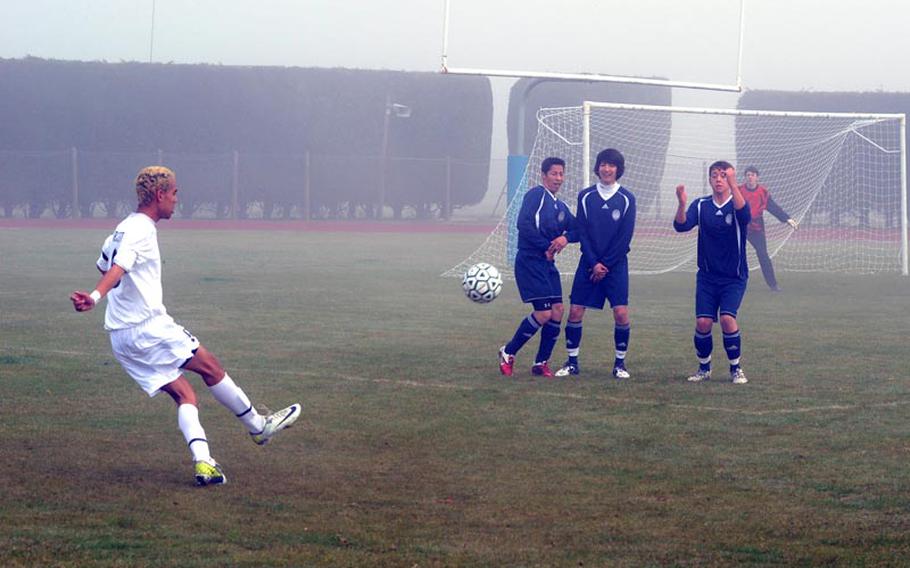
<point>414,451</point>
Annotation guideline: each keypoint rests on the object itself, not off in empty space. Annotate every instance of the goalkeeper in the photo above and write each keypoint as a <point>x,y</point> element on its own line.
<point>759,200</point>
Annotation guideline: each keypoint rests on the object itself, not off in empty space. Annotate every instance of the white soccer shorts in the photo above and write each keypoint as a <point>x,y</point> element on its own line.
<point>153,351</point>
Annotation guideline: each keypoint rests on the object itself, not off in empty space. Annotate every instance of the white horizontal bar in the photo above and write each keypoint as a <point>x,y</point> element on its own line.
<point>743,112</point>
<point>593,77</point>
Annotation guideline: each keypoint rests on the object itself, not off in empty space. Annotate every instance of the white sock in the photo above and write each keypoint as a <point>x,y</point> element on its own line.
<point>234,399</point>
<point>188,421</point>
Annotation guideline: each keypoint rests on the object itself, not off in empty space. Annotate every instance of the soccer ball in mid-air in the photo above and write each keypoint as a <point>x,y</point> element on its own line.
<point>482,283</point>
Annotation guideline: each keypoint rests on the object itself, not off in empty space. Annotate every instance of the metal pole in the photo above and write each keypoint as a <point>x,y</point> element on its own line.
<point>74,161</point>
<point>384,155</point>
<point>306,186</point>
<point>235,187</point>
<point>152,34</point>
<point>592,78</point>
<point>448,200</point>
<point>903,136</point>
<point>586,143</point>
<point>445,36</point>
<point>742,31</point>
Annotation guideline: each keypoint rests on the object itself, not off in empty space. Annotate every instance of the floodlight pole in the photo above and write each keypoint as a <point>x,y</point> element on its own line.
<point>401,111</point>
<point>384,155</point>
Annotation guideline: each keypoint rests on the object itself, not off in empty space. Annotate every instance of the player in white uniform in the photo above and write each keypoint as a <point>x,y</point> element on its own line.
<point>151,347</point>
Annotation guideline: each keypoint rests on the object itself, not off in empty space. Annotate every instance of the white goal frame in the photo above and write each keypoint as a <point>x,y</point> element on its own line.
<point>598,77</point>
<point>587,106</point>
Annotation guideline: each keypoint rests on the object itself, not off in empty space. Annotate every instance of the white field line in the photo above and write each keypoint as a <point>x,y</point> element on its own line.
<point>571,396</point>
<point>613,399</point>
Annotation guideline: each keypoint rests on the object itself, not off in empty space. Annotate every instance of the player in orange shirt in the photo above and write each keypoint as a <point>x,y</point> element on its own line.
<point>759,200</point>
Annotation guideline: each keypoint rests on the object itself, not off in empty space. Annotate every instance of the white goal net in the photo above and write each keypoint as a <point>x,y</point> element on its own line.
<point>840,175</point>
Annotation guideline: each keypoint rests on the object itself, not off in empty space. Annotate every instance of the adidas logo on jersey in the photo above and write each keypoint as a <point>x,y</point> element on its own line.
<point>718,213</point>
<point>605,206</point>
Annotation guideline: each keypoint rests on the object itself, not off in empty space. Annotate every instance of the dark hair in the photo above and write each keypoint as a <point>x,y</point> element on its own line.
<point>719,165</point>
<point>752,169</point>
<point>612,157</point>
<point>550,162</point>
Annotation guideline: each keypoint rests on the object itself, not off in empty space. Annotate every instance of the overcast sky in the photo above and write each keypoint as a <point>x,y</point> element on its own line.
<point>789,44</point>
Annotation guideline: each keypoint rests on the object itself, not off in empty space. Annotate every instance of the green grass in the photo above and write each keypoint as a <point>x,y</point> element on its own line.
<point>414,451</point>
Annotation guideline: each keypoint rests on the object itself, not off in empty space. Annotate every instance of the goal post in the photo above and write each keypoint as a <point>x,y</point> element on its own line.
<point>841,175</point>
<point>595,77</point>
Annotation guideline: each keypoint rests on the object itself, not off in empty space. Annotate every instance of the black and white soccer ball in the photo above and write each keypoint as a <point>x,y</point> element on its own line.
<point>482,283</point>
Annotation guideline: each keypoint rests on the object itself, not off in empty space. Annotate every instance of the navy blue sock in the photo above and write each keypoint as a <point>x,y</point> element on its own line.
<point>704,344</point>
<point>733,347</point>
<point>621,335</point>
<point>548,336</point>
<point>526,330</point>
<point>573,340</point>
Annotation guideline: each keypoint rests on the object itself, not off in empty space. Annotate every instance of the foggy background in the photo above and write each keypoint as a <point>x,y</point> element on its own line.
<point>797,45</point>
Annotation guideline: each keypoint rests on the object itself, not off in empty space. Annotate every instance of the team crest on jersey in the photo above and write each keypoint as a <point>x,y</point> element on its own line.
<point>561,216</point>
<point>118,236</point>
<point>729,219</point>
<point>616,214</point>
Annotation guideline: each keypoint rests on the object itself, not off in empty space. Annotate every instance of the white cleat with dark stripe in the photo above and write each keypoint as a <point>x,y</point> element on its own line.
<point>277,422</point>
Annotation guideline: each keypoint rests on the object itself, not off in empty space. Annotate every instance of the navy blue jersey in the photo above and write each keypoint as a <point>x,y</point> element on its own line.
<point>542,218</point>
<point>721,236</point>
<point>605,227</point>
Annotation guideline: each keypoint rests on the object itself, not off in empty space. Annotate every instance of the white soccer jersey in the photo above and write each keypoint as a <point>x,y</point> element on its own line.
<point>138,295</point>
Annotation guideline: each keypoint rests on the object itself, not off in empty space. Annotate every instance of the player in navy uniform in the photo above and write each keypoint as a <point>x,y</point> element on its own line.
<point>544,222</point>
<point>722,219</point>
<point>606,220</point>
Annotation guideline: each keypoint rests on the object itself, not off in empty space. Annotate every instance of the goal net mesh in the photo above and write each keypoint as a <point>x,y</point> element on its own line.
<point>839,176</point>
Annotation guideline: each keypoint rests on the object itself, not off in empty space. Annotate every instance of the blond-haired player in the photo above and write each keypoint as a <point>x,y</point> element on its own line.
<point>151,347</point>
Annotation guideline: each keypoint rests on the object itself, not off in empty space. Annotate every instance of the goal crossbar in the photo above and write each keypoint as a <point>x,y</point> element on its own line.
<point>594,77</point>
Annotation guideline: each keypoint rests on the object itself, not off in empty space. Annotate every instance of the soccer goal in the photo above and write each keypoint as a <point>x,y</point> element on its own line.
<point>842,176</point>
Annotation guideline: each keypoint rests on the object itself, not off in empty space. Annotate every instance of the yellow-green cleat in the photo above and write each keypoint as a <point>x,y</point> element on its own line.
<point>209,473</point>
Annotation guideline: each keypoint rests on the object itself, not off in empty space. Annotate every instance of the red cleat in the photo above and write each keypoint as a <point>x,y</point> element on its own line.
<point>542,370</point>
<point>505,362</point>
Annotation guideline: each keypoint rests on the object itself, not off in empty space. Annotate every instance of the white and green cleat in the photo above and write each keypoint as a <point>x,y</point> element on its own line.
<point>209,473</point>
<point>277,422</point>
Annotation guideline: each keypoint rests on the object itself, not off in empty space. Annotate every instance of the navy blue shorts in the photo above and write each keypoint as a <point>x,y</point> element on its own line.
<point>715,294</point>
<point>613,287</point>
<point>537,279</point>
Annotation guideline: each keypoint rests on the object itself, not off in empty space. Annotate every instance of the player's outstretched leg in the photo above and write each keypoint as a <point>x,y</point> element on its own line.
<point>277,422</point>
